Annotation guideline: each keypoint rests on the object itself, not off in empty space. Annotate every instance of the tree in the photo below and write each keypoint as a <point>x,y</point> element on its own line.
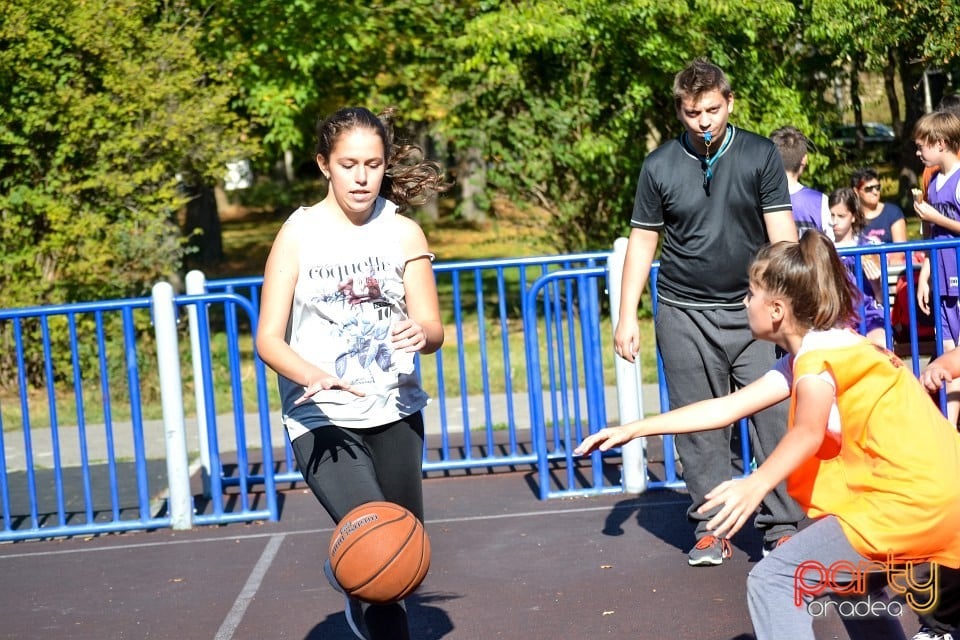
<point>299,61</point>
<point>897,38</point>
<point>102,105</point>
<point>567,97</point>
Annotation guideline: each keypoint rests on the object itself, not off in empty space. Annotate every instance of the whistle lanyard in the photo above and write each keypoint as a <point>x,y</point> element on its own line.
<point>707,161</point>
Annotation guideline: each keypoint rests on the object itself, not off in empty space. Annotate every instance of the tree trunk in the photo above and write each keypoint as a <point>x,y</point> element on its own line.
<point>430,211</point>
<point>472,180</point>
<point>911,77</point>
<point>203,226</point>
<point>890,87</point>
<point>855,101</point>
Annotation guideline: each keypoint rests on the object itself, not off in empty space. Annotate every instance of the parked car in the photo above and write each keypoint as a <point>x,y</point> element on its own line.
<point>879,141</point>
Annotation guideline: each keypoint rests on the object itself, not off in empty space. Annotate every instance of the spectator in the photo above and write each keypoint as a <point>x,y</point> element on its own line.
<point>718,193</point>
<point>884,221</point>
<point>847,220</point>
<point>810,209</point>
<point>937,136</point>
<point>951,103</point>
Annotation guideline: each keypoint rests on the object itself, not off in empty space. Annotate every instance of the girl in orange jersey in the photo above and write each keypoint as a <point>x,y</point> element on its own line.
<point>867,454</point>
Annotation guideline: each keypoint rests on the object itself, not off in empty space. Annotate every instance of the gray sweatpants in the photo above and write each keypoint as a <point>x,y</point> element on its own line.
<point>706,354</point>
<point>775,584</point>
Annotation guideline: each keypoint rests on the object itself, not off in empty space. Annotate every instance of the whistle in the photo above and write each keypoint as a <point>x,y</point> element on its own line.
<point>707,137</point>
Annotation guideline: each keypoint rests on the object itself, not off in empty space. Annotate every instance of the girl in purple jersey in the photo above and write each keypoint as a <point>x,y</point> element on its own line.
<point>846,218</point>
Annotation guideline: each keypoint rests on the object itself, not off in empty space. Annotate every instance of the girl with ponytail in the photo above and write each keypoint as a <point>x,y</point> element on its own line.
<point>867,454</point>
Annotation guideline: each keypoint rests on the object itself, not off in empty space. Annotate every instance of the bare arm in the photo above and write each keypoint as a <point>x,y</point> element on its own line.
<point>929,214</point>
<point>740,498</point>
<point>641,249</point>
<point>714,413</point>
<point>942,370</point>
<point>923,286</point>
<point>781,226</point>
<point>423,330</point>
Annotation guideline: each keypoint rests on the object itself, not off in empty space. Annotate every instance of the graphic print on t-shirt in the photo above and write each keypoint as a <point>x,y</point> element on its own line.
<point>355,305</point>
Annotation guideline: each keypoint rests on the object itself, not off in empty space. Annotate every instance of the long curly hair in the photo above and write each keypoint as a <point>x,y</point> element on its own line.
<point>411,179</point>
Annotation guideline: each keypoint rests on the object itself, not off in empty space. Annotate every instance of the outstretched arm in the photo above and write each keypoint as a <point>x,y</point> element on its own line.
<point>699,416</point>
<point>740,498</point>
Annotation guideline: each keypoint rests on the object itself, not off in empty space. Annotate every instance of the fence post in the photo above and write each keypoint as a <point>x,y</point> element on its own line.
<point>197,285</point>
<point>633,454</point>
<point>171,400</point>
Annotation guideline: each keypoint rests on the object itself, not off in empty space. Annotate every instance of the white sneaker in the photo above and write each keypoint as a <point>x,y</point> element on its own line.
<point>926,633</point>
<point>353,610</point>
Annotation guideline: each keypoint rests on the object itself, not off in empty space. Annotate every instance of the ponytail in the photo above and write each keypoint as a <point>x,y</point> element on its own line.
<point>811,275</point>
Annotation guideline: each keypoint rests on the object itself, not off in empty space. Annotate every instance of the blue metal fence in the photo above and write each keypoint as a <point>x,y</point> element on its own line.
<point>519,381</point>
<point>61,472</point>
<point>560,474</point>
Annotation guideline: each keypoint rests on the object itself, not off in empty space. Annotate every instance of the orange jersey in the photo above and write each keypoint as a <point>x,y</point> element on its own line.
<point>894,484</point>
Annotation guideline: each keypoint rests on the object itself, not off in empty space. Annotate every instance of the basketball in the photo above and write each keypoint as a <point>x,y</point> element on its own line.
<point>379,552</point>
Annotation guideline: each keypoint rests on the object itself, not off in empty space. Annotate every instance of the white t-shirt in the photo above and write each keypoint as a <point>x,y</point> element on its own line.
<point>349,292</point>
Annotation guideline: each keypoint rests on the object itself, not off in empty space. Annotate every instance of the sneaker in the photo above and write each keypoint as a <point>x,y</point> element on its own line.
<point>353,610</point>
<point>926,633</point>
<point>709,551</point>
<point>770,545</point>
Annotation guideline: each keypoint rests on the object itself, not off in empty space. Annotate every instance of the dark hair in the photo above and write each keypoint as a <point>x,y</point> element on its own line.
<point>410,179</point>
<point>793,146</point>
<point>697,78</point>
<point>849,198</point>
<point>951,103</point>
<point>812,277</point>
<point>863,175</point>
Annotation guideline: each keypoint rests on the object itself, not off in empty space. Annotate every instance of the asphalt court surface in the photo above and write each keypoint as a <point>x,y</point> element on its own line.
<point>504,565</point>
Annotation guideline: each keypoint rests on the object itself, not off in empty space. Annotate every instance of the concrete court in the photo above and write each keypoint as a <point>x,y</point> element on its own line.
<point>505,565</point>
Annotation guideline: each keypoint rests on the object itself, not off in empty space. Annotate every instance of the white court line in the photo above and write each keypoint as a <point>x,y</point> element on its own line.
<point>232,621</point>
<point>499,516</point>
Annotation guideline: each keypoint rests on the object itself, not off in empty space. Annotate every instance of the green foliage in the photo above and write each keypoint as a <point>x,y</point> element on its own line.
<point>568,97</point>
<point>102,105</point>
<point>296,62</point>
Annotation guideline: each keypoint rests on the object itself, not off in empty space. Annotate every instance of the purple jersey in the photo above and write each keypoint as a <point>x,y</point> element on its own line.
<point>807,206</point>
<point>944,200</point>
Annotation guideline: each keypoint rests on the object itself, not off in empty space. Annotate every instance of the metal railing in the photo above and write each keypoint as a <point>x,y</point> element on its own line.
<point>521,378</point>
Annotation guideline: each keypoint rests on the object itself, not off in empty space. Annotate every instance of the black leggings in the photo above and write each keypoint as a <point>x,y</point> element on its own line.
<point>945,617</point>
<point>347,467</point>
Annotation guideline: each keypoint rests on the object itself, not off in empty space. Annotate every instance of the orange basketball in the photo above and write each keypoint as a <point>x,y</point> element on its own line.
<point>379,552</point>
